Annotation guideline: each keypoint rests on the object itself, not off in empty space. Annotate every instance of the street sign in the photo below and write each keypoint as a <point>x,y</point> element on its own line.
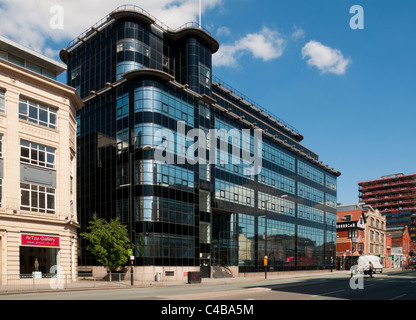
<point>130,252</point>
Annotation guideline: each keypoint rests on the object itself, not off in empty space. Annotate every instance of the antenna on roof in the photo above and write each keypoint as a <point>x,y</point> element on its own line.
<point>200,20</point>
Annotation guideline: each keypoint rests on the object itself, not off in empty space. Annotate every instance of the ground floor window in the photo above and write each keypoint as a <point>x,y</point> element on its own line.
<point>245,239</point>
<point>37,259</point>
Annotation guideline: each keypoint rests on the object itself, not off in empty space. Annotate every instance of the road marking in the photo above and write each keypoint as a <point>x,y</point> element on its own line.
<point>398,297</point>
<point>326,293</point>
<point>215,294</point>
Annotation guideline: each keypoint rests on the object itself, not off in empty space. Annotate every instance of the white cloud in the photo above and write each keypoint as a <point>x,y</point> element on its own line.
<point>324,58</point>
<point>265,45</point>
<point>28,22</point>
<point>223,31</point>
<point>298,34</point>
<point>227,55</point>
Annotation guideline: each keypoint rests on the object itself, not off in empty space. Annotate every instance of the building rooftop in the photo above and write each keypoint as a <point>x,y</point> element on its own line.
<point>397,232</point>
<point>29,58</point>
<point>349,216</point>
<point>353,206</point>
<point>389,178</point>
<point>145,17</point>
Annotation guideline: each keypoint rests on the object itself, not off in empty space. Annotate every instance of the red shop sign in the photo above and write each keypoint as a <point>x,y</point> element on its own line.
<point>39,240</point>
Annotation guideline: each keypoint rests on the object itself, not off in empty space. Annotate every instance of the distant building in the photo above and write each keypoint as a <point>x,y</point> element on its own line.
<point>400,246</point>
<point>37,165</point>
<point>395,197</point>
<point>350,234</point>
<point>400,238</point>
<point>375,234</point>
<point>366,225</point>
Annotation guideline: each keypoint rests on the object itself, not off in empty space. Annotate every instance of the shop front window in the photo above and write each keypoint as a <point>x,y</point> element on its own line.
<point>37,259</point>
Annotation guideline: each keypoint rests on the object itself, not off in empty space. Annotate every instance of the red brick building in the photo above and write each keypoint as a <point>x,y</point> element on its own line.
<point>350,236</point>
<point>388,251</point>
<point>400,246</point>
<point>400,238</point>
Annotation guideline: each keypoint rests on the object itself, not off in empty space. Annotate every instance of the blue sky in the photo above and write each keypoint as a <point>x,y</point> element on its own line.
<point>361,122</point>
<point>351,93</point>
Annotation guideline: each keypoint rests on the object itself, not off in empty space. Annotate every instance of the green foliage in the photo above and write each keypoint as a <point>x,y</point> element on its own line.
<point>108,241</point>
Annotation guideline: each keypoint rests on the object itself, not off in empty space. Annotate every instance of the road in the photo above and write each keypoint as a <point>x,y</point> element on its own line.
<point>381,287</point>
<point>386,286</point>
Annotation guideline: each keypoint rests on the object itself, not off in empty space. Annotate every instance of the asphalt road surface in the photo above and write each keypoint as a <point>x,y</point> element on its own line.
<point>380,287</point>
<point>386,286</point>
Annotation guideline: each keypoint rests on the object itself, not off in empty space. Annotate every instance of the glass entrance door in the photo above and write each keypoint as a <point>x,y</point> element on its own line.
<point>224,239</point>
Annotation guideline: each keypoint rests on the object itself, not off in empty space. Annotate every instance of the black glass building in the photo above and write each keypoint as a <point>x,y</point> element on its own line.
<point>138,77</point>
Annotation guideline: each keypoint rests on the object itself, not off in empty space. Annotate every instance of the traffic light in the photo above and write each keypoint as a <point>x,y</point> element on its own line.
<point>411,253</point>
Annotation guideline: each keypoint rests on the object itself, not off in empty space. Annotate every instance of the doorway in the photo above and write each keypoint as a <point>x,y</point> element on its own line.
<point>224,239</point>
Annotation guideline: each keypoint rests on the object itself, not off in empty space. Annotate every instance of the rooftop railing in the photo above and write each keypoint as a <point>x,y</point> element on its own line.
<point>254,104</point>
<point>131,7</point>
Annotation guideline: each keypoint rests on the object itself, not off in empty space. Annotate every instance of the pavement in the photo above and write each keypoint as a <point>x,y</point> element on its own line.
<point>272,277</point>
<point>281,277</point>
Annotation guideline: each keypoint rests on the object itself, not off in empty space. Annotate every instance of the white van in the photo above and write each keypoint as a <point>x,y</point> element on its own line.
<point>364,264</point>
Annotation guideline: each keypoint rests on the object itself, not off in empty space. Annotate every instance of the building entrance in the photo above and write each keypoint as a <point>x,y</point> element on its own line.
<point>224,239</point>
<point>204,265</point>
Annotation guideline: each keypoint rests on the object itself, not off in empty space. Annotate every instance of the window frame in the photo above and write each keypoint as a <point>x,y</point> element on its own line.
<point>122,106</point>
<point>39,149</point>
<point>36,196</point>
<point>2,101</point>
<point>204,75</point>
<point>28,108</point>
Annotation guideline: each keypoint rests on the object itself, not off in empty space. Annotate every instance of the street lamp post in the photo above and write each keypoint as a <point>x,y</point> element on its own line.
<point>265,259</point>
<point>265,244</point>
<point>131,175</point>
<point>353,242</point>
<point>265,249</point>
<point>131,205</point>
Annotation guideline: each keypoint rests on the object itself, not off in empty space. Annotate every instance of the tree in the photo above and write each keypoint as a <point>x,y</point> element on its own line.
<point>108,242</point>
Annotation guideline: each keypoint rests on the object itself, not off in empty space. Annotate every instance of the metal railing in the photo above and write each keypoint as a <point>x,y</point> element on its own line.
<point>255,104</point>
<point>13,283</point>
<point>130,7</point>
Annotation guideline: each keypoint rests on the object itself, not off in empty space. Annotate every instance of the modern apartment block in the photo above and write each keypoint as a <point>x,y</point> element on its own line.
<point>138,78</point>
<point>395,197</point>
<point>38,222</point>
